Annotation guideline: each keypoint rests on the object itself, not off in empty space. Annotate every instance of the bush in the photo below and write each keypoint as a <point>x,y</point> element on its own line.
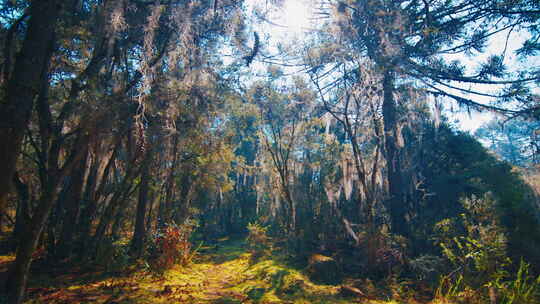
<point>479,259</point>
<point>171,246</point>
<point>259,243</point>
<point>113,255</point>
<point>480,250</point>
<point>426,267</point>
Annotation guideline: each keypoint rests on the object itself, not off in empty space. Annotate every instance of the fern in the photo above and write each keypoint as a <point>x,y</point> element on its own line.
<point>524,289</point>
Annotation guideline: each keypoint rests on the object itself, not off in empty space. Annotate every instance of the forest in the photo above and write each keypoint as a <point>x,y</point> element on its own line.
<point>204,151</point>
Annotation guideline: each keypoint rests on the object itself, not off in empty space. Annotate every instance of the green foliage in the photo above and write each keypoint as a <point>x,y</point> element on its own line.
<point>273,148</point>
<point>259,243</point>
<point>114,255</point>
<point>479,258</point>
<point>480,252</point>
<point>523,289</point>
<point>455,165</point>
<point>449,288</point>
<point>514,141</point>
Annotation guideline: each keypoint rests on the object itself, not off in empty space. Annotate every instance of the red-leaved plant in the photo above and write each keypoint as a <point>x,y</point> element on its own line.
<point>171,246</point>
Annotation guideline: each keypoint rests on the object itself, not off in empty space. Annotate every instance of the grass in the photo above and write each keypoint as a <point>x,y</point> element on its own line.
<point>222,274</point>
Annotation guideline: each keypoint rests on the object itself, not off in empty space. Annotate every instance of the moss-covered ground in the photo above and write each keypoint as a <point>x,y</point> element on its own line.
<point>224,273</point>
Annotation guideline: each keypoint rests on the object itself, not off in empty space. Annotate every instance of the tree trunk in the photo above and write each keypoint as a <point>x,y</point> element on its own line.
<point>137,242</point>
<point>23,86</point>
<point>88,211</point>
<point>18,275</point>
<point>164,205</point>
<point>72,206</point>
<point>291,206</point>
<point>22,216</point>
<point>169,189</point>
<point>397,203</point>
<point>105,222</point>
<point>16,284</point>
<point>49,235</point>
<point>92,194</point>
<point>182,211</point>
<point>114,209</point>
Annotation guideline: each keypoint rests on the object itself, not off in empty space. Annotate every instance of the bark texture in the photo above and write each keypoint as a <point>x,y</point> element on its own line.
<point>23,87</point>
<point>397,202</point>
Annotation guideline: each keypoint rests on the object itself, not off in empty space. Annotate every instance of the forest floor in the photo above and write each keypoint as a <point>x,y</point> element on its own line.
<point>221,274</point>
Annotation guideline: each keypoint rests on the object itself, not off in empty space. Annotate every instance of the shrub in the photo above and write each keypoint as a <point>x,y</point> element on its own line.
<point>113,255</point>
<point>480,265</point>
<point>171,246</point>
<point>426,267</point>
<point>259,243</point>
<point>481,249</point>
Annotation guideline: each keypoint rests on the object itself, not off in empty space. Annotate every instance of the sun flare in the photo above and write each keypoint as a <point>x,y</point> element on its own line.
<point>295,15</point>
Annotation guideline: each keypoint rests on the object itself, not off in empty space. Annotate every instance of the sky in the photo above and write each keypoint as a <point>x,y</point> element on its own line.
<point>295,15</point>
<point>295,18</point>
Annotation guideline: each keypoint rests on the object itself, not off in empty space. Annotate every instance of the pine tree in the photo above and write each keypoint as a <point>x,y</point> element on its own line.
<point>410,41</point>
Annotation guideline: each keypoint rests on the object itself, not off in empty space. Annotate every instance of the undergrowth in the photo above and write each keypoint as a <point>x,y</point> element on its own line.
<point>171,246</point>
<point>258,241</point>
<point>219,274</point>
<point>481,269</point>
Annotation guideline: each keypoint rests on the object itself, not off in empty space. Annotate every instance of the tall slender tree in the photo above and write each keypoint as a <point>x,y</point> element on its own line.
<point>24,84</point>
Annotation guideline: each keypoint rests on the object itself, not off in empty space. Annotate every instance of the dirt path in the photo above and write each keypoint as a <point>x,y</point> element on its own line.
<point>220,278</point>
<point>212,278</point>
<point>222,274</point>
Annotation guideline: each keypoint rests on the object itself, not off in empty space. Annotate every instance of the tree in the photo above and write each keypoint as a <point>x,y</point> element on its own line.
<point>282,124</point>
<point>514,141</point>
<point>408,41</point>
<point>24,82</point>
<point>75,88</point>
<point>356,109</point>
